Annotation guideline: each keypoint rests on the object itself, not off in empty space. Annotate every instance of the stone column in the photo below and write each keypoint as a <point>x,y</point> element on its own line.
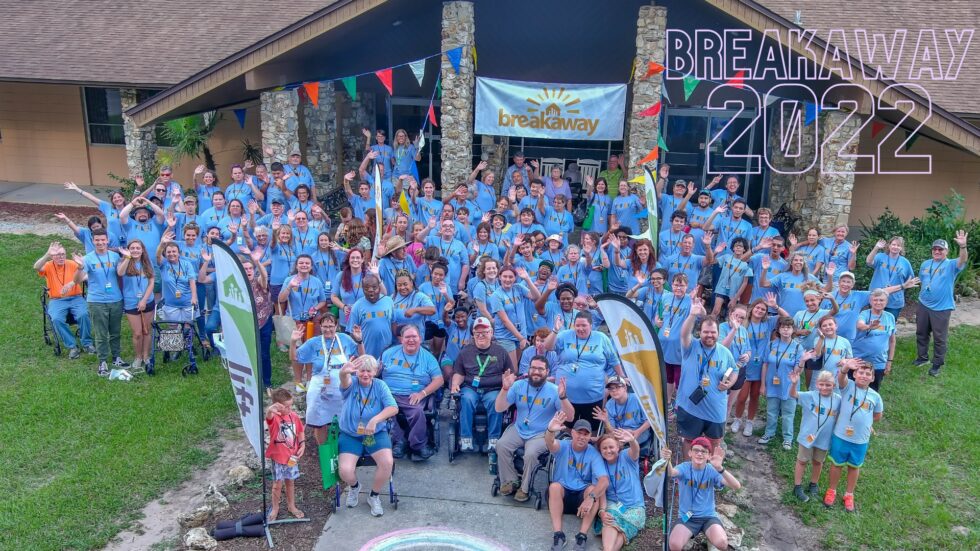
<point>642,132</point>
<point>458,29</point>
<point>494,150</point>
<point>141,141</point>
<point>321,138</point>
<point>280,123</point>
<point>352,116</point>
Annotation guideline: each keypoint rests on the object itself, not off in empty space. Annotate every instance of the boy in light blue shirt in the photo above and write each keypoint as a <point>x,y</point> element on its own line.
<point>820,409</point>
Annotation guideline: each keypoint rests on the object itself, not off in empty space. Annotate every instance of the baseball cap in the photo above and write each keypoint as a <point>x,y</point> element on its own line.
<point>482,322</point>
<point>582,424</point>
<point>847,274</point>
<point>295,151</point>
<point>940,243</point>
<point>701,441</point>
<point>615,380</point>
<point>277,200</point>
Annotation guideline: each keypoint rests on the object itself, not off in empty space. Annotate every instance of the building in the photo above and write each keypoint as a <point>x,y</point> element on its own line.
<point>573,41</point>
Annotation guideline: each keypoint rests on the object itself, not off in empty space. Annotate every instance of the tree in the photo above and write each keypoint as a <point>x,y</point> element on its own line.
<point>189,136</point>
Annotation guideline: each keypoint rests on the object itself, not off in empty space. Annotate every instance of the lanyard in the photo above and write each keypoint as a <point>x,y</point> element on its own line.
<point>842,301</point>
<point>579,460</point>
<point>619,410</point>
<point>754,330</point>
<point>304,286</point>
<point>568,320</point>
<point>804,322</point>
<point>697,487</point>
<point>328,352</point>
<point>404,299</point>
<point>819,408</point>
<point>833,253</point>
<point>177,274</point>
<point>104,265</point>
<point>703,366</point>
<point>445,250</point>
<point>686,265</point>
<point>482,364</point>
<point>414,365</point>
<point>364,399</point>
<point>671,243</point>
<point>890,267</point>
<point>614,474</point>
<point>859,406</point>
<point>871,319</point>
<point>932,273</point>
<point>780,357</point>
<point>530,401</point>
<point>830,349</point>
<point>581,349</point>
<point>672,311</point>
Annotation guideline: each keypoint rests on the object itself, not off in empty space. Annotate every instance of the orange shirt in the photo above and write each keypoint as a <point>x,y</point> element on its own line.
<point>57,276</point>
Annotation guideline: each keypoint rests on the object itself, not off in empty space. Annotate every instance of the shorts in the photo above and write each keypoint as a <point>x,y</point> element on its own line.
<point>673,373</point>
<point>571,501</point>
<point>506,344</point>
<point>147,310</point>
<point>177,314</point>
<point>700,524</point>
<point>739,381</point>
<point>284,472</point>
<point>847,453</point>
<point>690,426</point>
<point>354,443</point>
<point>805,455</point>
<point>433,331</point>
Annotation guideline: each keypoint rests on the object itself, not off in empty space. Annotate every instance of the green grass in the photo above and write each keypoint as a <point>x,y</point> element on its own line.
<point>80,454</point>
<point>920,478</point>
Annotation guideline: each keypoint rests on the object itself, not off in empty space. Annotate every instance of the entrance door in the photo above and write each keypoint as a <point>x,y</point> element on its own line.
<point>408,114</point>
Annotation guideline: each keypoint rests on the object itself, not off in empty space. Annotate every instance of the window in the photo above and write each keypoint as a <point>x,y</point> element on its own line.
<point>103,111</point>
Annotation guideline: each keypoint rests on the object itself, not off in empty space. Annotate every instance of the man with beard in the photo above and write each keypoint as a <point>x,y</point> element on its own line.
<point>537,401</point>
<point>477,376</point>
<point>412,374</point>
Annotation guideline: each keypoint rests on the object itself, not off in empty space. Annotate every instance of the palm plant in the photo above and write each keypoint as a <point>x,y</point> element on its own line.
<point>189,136</point>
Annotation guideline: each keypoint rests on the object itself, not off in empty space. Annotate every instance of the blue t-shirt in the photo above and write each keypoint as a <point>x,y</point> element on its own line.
<point>719,196</point>
<point>204,193</point>
<point>838,253</point>
<point>819,418</point>
<point>937,280</point>
<point>782,358</point>
<point>283,257</point>
<point>321,353</point>
<point>511,303</point>
<point>814,254</point>
<point>670,242</point>
<point>148,232</point>
<point>134,287</point>
<point>600,214</point>
<point>857,410</point>
<point>668,204</point>
<point>626,208</point>
<point>486,196</point>
<point>577,470</point>
<point>585,364</point>
<point>360,205</point>
<point>325,267</point>
<point>728,229</point>
<point>674,311</point>
<point>733,273</point>
<point>776,267</point>
<point>456,338</point>
<point>809,321</point>
<point>85,236</point>
<point>618,276</point>
<point>239,190</point>
<point>849,308</point>
<point>415,299</point>
<point>624,481</point>
<point>679,264</point>
<point>757,234</point>
<point>408,373</point>
<point>871,345</point>
<point>375,321</point>
<point>740,342</point>
<point>114,229</point>
<point>696,489</point>
<point>560,223</point>
<point>304,242</point>
<point>629,415</point>
<point>705,368</point>
<point>835,350</point>
<point>176,279</point>
<point>890,271</point>
<point>103,283</point>
<point>362,403</point>
<point>759,335</point>
<point>309,294</point>
<point>535,406</point>
<point>789,287</point>
<point>530,352</point>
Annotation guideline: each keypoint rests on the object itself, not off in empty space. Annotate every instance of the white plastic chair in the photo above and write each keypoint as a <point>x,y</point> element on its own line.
<point>548,162</point>
<point>589,167</point>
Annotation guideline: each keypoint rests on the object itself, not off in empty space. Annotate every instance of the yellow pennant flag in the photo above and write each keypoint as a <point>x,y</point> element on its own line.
<point>637,179</point>
<point>403,202</point>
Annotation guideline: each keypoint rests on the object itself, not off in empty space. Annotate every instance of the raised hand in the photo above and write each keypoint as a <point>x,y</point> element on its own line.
<point>717,457</point>
<point>771,300</point>
<point>169,235</point>
<point>356,333</point>
<point>793,240</point>
<point>697,307</point>
<point>248,164</point>
<point>854,247</point>
<point>707,237</point>
<point>830,268</point>
<point>794,376</point>
<point>691,188</point>
<point>125,252</point>
<point>253,207</point>
<point>373,267</point>
<point>765,242</point>
<point>557,422</point>
<point>373,154</point>
<point>664,171</point>
<point>71,186</point>
<point>206,256</point>
<point>880,244</point>
<point>562,386</point>
<point>911,282</point>
<point>298,334</point>
<point>269,152</point>
<point>350,176</point>
<point>482,165</point>
<point>624,436</point>
<point>720,247</point>
<point>139,181</point>
<point>521,272</point>
<point>960,238</point>
<point>665,454</point>
<point>61,216</point>
<point>508,379</point>
<point>766,262</point>
<point>79,259</point>
<point>199,169</point>
<point>366,132</point>
<point>589,181</point>
<point>601,414</point>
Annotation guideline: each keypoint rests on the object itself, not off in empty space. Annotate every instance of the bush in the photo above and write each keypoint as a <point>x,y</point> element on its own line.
<point>941,221</point>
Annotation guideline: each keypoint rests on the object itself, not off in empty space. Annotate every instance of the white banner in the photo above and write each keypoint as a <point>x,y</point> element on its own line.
<point>240,331</point>
<point>542,110</point>
<point>639,349</point>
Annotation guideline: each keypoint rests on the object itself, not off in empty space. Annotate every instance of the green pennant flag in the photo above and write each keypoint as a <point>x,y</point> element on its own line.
<point>910,139</point>
<point>661,143</point>
<point>690,83</point>
<point>350,83</point>
<point>439,88</point>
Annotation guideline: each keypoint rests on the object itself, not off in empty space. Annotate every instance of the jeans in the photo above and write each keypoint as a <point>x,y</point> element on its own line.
<point>59,308</point>
<point>106,319</point>
<point>468,401</point>
<point>265,351</point>
<point>777,409</point>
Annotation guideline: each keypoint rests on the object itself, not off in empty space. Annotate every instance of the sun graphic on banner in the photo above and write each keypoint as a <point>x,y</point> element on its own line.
<point>549,99</point>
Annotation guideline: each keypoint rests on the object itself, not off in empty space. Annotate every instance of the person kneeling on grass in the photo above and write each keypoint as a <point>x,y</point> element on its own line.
<point>697,480</point>
<point>820,410</point>
<point>860,407</point>
<point>621,511</point>
<point>579,478</point>
<point>286,445</point>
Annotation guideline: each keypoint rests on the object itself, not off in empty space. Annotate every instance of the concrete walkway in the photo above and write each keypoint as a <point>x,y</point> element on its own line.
<point>443,506</point>
<point>47,194</point>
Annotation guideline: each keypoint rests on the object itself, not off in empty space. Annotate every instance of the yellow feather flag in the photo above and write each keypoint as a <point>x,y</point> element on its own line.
<point>637,179</point>
<point>403,203</point>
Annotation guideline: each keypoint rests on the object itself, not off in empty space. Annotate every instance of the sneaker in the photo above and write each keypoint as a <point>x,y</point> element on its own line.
<point>736,424</point>
<point>120,363</point>
<point>558,543</point>
<point>300,387</point>
<point>508,488</point>
<point>352,494</point>
<point>74,354</point>
<point>934,372</point>
<point>765,439</point>
<point>921,363</point>
<point>283,348</point>
<point>521,496</point>
<point>800,494</point>
<point>398,449</point>
<point>814,491</point>
<point>747,431</point>
<point>465,444</point>
<point>375,503</point>
<point>103,369</point>
<point>89,349</point>
<point>492,444</point>
<point>849,503</point>
<point>830,497</point>
<point>787,445</point>
<point>425,453</point>
<point>137,364</point>
<point>580,540</point>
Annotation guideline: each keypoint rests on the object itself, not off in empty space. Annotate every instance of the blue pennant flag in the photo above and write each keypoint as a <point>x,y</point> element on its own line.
<point>240,115</point>
<point>810,112</point>
<point>455,56</point>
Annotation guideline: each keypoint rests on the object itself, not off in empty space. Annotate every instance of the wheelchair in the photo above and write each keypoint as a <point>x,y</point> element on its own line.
<point>545,463</point>
<point>480,426</point>
<point>174,337</point>
<point>367,461</point>
<point>51,337</point>
<point>431,411</point>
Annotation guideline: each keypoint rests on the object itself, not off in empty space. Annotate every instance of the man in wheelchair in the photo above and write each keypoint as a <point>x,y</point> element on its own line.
<point>477,377</point>
<point>65,301</point>
<point>536,401</point>
<point>413,375</point>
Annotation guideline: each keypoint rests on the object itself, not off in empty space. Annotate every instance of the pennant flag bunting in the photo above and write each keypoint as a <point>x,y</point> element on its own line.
<point>690,83</point>
<point>240,115</point>
<point>738,80</point>
<point>439,88</point>
<point>876,128</point>
<point>661,143</point>
<point>384,75</point>
<point>313,92</point>
<point>432,115</point>
<point>771,100</point>
<point>350,84</point>
<point>455,57</point>
<point>810,112</point>
<point>632,71</point>
<point>653,68</point>
<point>637,179</point>
<point>651,111</point>
<point>473,55</point>
<point>910,139</point>
<point>663,92</point>
<point>418,69</point>
<point>651,156</point>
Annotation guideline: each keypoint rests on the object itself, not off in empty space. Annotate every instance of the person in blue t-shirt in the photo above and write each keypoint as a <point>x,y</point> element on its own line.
<point>622,513</point>
<point>482,191</point>
<point>624,411</point>
<point>697,481</point>
<point>136,270</point>
<point>820,408</point>
<point>785,355</point>
<point>838,251</point>
<point>890,268</point>
<point>361,201</point>
<point>875,339</point>
<point>142,219</point>
<point>413,375</point>
<point>626,207</point>
<point>789,285</point>
<point>578,479</point>
<point>831,348</point>
<point>671,313</point>
<point>368,404</point>
<point>938,276</point>
<point>373,313</point>
<point>178,285</point>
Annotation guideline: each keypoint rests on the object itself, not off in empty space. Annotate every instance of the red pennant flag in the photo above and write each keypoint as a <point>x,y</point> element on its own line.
<point>653,68</point>
<point>384,75</point>
<point>738,80</point>
<point>312,92</point>
<point>876,128</point>
<point>651,156</point>
<point>432,115</point>
<point>651,111</point>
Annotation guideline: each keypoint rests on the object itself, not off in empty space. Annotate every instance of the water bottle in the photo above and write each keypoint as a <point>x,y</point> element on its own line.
<point>493,461</point>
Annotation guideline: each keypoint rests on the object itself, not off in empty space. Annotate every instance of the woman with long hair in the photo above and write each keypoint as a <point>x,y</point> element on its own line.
<point>622,512</point>
<point>642,259</point>
<point>508,304</point>
<point>789,284</point>
<point>811,249</point>
<point>759,326</point>
<point>785,355</point>
<point>595,259</point>
<point>406,155</point>
<point>347,285</point>
<point>487,284</point>
<point>890,268</point>
<point>136,270</point>
<point>283,254</point>
<point>597,195</point>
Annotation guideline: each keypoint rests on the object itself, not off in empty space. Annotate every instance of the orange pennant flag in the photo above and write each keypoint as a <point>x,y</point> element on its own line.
<point>653,68</point>
<point>312,92</point>
<point>738,80</point>
<point>651,111</point>
<point>384,75</point>
<point>432,115</point>
<point>651,156</point>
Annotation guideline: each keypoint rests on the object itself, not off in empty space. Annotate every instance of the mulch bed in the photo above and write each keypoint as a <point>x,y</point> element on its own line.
<point>45,212</point>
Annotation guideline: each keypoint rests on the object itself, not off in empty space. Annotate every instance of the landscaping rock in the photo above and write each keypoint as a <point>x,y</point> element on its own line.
<point>198,538</point>
<point>961,531</point>
<point>195,518</point>
<point>727,509</point>
<point>740,499</point>
<point>214,500</point>
<point>240,474</point>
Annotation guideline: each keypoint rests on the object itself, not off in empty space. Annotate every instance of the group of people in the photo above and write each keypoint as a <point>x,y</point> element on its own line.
<point>489,295</point>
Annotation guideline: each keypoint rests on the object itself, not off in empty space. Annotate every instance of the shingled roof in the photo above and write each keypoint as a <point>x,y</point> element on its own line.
<point>148,43</point>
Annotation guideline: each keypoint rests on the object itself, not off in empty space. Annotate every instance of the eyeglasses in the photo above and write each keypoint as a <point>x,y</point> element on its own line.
<point>699,451</point>
<point>161,190</point>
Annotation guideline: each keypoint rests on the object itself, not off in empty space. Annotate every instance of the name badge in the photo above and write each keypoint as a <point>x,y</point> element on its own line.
<point>476,381</point>
<point>775,380</point>
<point>686,516</point>
<point>810,438</point>
<point>849,431</point>
<point>666,331</point>
<point>177,294</point>
<point>108,285</point>
<point>527,421</point>
<point>705,381</point>
<point>416,385</point>
<point>361,429</point>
